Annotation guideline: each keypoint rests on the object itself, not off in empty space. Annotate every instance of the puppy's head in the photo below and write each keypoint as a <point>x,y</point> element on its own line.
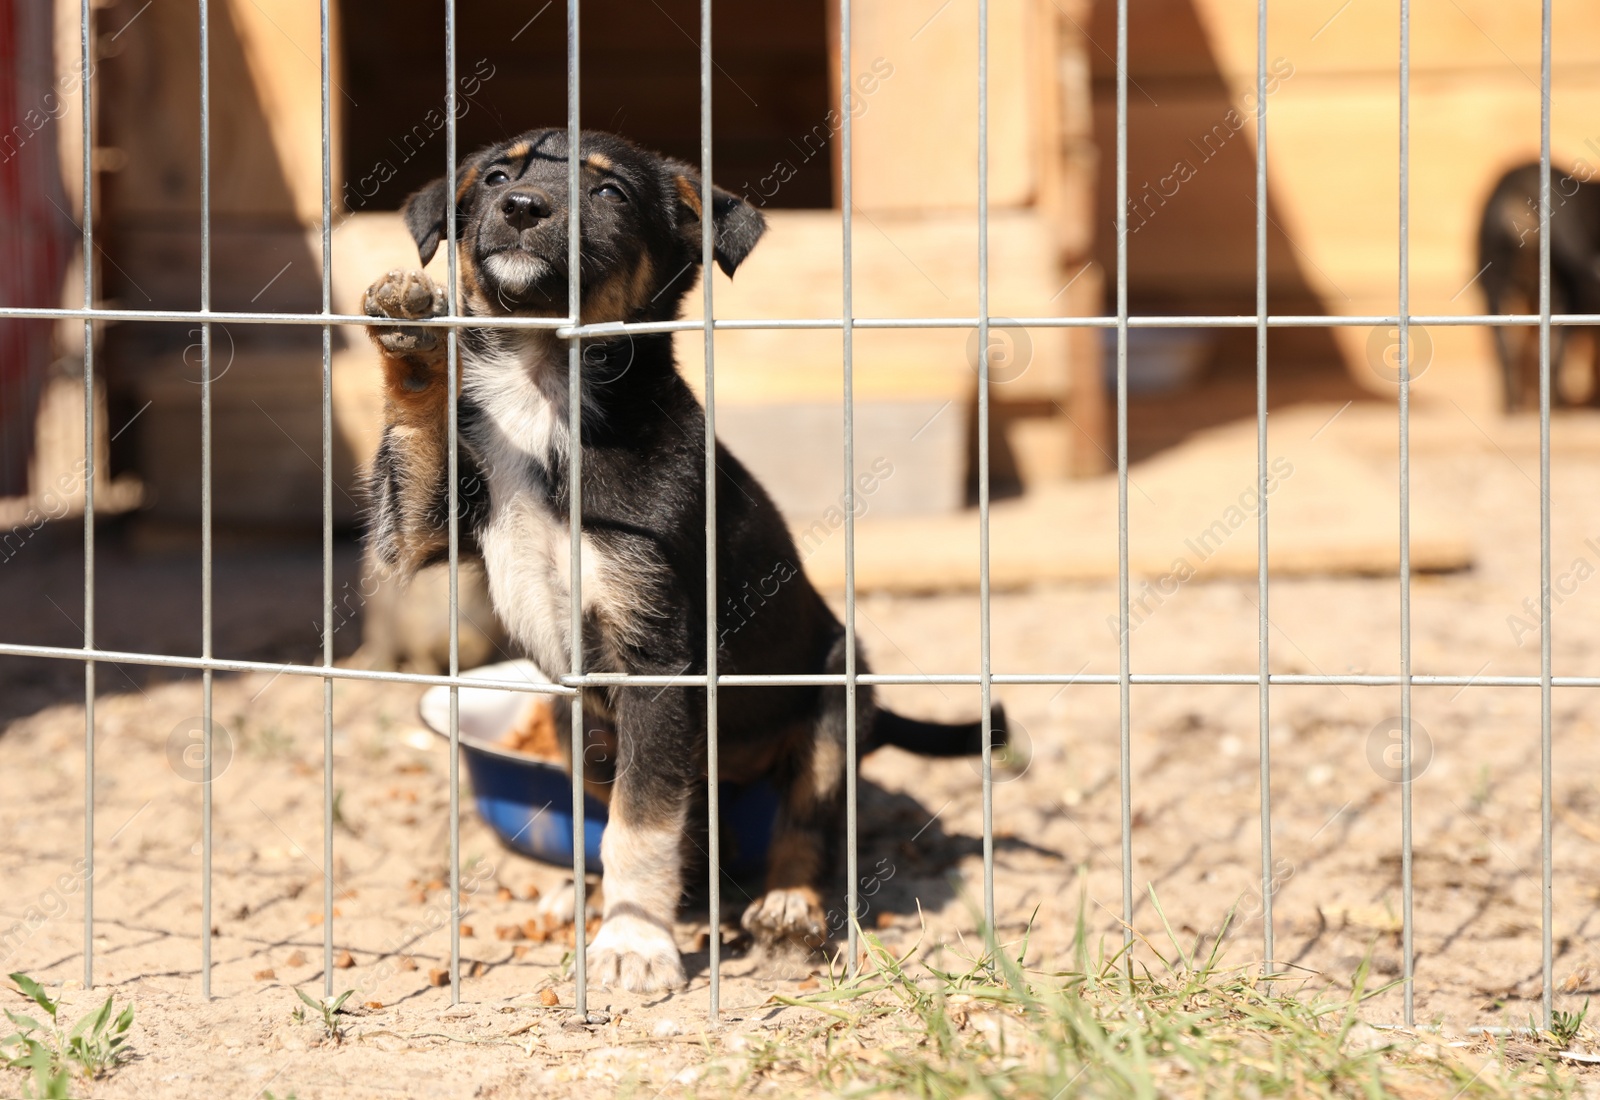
<point>640,217</point>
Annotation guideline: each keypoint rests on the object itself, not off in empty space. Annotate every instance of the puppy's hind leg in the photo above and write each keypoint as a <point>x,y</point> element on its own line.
<point>811,788</point>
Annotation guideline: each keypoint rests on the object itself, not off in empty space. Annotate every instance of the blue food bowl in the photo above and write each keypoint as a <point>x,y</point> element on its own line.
<point>527,800</point>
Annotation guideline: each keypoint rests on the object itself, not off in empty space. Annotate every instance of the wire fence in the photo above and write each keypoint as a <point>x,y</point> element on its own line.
<point>574,332</point>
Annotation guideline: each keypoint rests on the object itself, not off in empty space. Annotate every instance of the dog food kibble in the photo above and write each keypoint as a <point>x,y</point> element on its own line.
<point>549,999</point>
<point>466,930</point>
<point>298,958</point>
<point>508,932</point>
<point>437,976</point>
<point>535,734</point>
<point>885,920</point>
<point>344,960</point>
<point>534,931</point>
<point>520,951</point>
<point>265,975</point>
<point>478,969</point>
<point>502,894</point>
<point>374,1005</point>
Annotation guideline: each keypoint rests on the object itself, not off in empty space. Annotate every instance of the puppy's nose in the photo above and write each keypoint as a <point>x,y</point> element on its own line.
<point>525,209</point>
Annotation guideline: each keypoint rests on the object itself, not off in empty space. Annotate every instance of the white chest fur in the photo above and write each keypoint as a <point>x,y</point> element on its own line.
<point>526,545</point>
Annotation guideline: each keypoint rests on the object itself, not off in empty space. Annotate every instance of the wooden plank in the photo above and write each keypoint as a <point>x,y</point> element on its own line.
<point>917,134</point>
<point>1192,517</point>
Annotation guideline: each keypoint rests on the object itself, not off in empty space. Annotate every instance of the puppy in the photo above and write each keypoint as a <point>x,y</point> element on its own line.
<point>1508,257</point>
<point>643,521</point>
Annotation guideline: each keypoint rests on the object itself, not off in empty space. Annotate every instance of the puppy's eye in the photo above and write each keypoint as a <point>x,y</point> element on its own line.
<point>496,178</point>
<point>611,192</point>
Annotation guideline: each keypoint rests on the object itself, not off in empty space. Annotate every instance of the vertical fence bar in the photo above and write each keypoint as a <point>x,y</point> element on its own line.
<point>580,888</point>
<point>452,400</point>
<point>708,265</point>
<point>88,503</point>
<point>327,508</point>
<point>1547,900</point>
<point>1404,359</point>
<point>1263,622</point>
<point>205,494</point>
<point>986,690</point>
<point>847,325</point>
<point>1124,664</point>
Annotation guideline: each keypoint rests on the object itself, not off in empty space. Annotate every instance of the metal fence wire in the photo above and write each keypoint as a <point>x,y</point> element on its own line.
<point>573,331</point>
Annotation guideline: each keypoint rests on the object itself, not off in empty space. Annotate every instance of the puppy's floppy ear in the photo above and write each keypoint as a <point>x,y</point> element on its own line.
<point>424,214</point>
<point>738,224</point>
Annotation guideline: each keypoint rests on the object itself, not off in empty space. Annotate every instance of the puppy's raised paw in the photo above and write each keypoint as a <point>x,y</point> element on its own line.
<point>793,916</point>
<point>405,295</point>
<point>635,954</point>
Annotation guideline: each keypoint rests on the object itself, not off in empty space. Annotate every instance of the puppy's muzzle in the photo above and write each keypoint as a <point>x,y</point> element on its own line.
<point>526,209</point>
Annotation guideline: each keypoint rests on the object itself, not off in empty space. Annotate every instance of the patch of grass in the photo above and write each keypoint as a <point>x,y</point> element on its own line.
<point>94,1046</point>
<point>327,1011</point>
<point>1564,1026</point>
<point>339,818</point>
<point>1110,1025</point>
<point>269,743</point>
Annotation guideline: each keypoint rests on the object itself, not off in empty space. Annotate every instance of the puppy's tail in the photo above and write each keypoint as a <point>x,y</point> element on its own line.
<point>938,738</point>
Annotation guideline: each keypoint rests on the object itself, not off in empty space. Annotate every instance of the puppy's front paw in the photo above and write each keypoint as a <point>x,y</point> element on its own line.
<point>637,955</point>
<point>405,295</point>
<point>787,916</point>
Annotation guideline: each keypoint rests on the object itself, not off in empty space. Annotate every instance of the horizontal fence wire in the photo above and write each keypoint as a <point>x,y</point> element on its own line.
<point>571,329</point>
<point>570,685</point>
<point>565,328</point>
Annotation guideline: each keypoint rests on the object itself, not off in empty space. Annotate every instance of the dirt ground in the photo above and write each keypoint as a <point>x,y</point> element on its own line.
<point>1195,807</point>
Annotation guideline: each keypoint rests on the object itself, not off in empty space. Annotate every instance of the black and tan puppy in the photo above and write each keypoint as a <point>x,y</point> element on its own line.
<point>643,509</point>
<point>1508,258</point>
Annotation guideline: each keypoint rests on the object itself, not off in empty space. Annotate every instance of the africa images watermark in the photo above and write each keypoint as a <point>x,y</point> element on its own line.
<point>1203,546</point>
<point>1153,196</point>
<point>411,143</point>
<point>52,106</point>
<point>810,539</point>
<point>816,140</point>
<point>1563,186</point>
<point>1563,586</point>
<point>53,503</point>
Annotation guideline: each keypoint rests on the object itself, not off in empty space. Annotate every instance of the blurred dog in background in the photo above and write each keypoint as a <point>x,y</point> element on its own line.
<point>1508,260</point>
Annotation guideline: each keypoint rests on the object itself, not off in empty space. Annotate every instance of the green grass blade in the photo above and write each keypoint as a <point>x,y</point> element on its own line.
<point>35,991</point>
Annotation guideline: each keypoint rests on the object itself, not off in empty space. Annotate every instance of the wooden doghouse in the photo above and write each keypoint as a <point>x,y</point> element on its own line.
<point>1333,160</point>
<point>777,130</point>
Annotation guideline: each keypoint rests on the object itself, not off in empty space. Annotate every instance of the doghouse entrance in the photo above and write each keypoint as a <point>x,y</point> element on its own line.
<point>640,77</point>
